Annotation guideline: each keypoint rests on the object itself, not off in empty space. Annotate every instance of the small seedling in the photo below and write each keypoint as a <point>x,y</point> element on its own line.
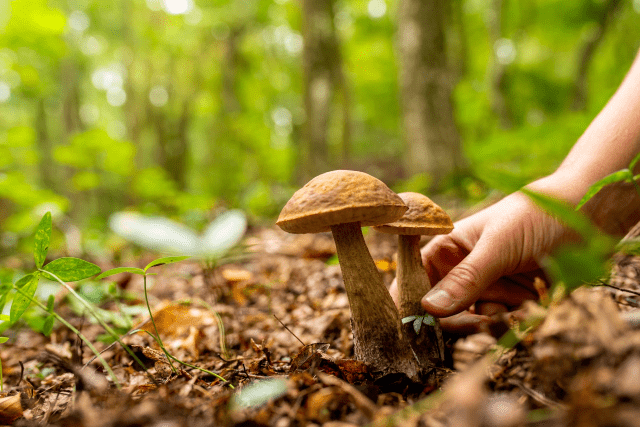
<point>217,244</point>
<point>418,321</point>
<point>61,270</point>
<point>144,273</point>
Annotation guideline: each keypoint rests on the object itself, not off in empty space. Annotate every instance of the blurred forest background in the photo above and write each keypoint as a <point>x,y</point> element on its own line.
<point>185,107</point>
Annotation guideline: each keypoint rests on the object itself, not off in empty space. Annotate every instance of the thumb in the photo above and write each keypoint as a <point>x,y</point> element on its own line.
<point>462,286</point>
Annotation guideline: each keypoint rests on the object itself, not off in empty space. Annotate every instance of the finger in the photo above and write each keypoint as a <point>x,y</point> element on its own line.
<point>440,255</point>
<point>466,323</point>
<point>490,308</point>
<point>509,292</point>
<point>466,281</point>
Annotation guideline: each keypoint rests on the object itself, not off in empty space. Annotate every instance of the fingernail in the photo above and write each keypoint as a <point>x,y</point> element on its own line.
<point>439,298</point>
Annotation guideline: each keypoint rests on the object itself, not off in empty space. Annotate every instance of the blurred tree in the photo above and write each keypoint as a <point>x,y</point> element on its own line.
<point>176,106</point>
<point>431,136</point>
<point>602,15</point>
<point>324,77</point>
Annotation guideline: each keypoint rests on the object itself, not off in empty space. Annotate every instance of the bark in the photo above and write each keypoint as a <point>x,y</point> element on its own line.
<point>378,338</point>
<point>413,284</point>
<point>426,84</point>
<point>324,77</point>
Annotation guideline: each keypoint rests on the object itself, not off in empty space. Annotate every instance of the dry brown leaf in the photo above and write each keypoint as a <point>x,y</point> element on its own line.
<point>318,404</point>
<point>175,320</point>
<point>235,275</point>
<point>10,409</point>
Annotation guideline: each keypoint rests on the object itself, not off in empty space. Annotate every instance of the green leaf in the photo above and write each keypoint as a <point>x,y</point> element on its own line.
<point>69,269</point>
<point>28,285</point>
<point>417,325</point>
<point>42,239</point>
<point>429,320</point>
<point>408,319</point>
<point>222,234</point>
<point>629,246</point>
<point>50,302</point>
<point>3,339</point>
<point>47,328</point>
<point>4,317</point>
<point>165,260</point>
<point>118,270</point>
<point>4,293</point>
<point>621,175</point>
<point>633,163</point>
<point>258,393</point>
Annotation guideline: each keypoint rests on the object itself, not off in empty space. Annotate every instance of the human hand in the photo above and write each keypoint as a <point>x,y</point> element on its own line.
<point>487,264</point>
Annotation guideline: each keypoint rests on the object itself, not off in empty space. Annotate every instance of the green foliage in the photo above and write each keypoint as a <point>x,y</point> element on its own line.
<point>155,263</point>
<point>42,240</point>
<point>577,264</point>
<point>618,176</point>
<point>164,235</point>
<point>259,393</point>
<point>28,285</point>
<point>68,268</point>
<point>418,321</point>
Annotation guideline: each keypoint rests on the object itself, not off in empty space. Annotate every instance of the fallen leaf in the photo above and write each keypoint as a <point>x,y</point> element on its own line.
<point>10,409</point>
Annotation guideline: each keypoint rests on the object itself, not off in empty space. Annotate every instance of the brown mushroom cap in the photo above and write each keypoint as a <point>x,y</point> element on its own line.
<point>340,197</point>
<point>424,217</point>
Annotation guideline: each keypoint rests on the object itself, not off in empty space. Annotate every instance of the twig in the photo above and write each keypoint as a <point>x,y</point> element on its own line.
<point>536,395</point>
<point>603,283</point>
<point>285,326</point>
<point>110,346</point>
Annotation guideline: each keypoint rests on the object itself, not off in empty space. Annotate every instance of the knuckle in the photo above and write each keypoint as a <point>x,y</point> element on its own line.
<point>467,278</point>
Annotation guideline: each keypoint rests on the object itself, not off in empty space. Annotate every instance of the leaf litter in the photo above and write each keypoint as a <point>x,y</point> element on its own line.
<point>277,326</point>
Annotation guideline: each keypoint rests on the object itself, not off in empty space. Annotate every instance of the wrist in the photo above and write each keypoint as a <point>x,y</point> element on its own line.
<point>565,187</point>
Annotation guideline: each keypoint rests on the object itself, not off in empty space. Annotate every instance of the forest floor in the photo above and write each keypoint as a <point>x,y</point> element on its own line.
<point>276,326</point>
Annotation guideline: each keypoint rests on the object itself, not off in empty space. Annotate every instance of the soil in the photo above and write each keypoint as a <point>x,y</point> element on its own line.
<point>275,326</point>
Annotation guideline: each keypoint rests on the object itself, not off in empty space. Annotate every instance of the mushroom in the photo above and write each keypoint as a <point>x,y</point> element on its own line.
<point>343,201</point>
<point>424,217</point>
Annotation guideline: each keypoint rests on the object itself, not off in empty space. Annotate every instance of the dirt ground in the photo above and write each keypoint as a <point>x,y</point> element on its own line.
<point>276,327</point>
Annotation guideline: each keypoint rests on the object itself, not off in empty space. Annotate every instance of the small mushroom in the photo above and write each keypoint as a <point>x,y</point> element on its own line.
<point>343,201</point>
<point>424,217</point>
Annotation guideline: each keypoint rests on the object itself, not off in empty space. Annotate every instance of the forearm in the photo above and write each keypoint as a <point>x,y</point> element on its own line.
<point>608,144</point>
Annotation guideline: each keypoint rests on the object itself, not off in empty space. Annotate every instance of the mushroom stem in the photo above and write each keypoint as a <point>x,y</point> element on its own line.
<point>413,284</point>
<point>378,337</point>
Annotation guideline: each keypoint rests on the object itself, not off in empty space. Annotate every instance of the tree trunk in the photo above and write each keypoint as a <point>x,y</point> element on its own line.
<point>426,84</point>
<point>323,77</point>
<point>45,148</point>
<point>604,18</point>
<point>499,99</point>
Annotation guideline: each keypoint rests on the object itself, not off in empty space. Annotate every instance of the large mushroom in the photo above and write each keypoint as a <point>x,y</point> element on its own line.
<point>424,217</point>
<point>343,201</point>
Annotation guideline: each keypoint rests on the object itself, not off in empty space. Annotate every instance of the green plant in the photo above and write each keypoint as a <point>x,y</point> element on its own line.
<point>213,247</point>
<point>156,336</point>
<point>418,321</point>
<point>61,270</point>
<point>625,175</point>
